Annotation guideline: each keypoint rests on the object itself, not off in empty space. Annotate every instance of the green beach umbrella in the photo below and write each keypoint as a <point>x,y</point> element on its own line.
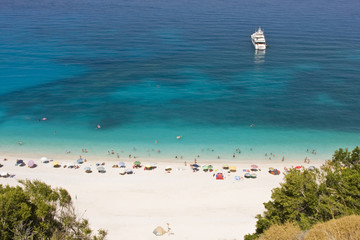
<point>210,167</point>
<point>137,163</point>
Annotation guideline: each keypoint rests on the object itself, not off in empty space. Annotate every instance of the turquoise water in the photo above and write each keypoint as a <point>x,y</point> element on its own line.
<point>152,71</point>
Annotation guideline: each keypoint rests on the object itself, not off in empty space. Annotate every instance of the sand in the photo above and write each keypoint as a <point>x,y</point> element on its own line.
<point>131,206</point>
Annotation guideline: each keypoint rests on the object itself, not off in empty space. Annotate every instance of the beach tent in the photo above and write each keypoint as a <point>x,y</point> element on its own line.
<point>101,169</point>
<point>232,169</point>
<point>80,161</point>
<point>31,164</point>
<point>219,176</point>
<point>159,231</point>
<point>122,165</point>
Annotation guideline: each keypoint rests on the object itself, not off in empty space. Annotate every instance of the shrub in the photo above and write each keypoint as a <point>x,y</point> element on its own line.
<point>309,197</point>
<point>343,228</point>
<point>37,211</point>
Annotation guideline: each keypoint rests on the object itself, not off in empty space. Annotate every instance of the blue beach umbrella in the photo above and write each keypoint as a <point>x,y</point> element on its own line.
<point>19,161</point>
<point>80,161</point>
<point>122,164</point>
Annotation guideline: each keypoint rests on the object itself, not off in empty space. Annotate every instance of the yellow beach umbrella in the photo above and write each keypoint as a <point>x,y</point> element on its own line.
<point>56,163</point>
<point>233,169</point>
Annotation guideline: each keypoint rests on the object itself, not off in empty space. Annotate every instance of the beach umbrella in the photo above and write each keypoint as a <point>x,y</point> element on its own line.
<point>19,161</point>
<point>80,161</point>
<point>56,164</point>
<point>254,166</point>
<point>225,166</point>
<point>87,169</point>
<point>237,178</point>
<point>137,163</point>
<point>31,164</point>
<point>129,171</point>
<point>154,165</point>
<point>168,168</point>
<point>122,172</point>
<point>247,175</point>
<point>148,167</point>
<point>195,165</point>
<point>210,167</point>
<point>312,168</point>
<point>101,169</point>
<point>298,167</point>
<point>233,169</point>
<point>276,172</point>
<point>205,168</point>
<point>253,175</point>
<point>4,174</point>
<point>159,231</point>
<point>271,168</point>
<point>122,164</point>
<point>254,170</point>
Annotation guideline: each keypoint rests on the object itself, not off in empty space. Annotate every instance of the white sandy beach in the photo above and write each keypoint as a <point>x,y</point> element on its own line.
<point>131,206</point>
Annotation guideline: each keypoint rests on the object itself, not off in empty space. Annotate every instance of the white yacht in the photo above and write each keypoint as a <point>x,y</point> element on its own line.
<point>258,39</point>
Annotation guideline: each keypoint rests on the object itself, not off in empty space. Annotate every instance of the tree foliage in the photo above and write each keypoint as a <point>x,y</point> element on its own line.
<point>308,197</point>
<point>37,211</point>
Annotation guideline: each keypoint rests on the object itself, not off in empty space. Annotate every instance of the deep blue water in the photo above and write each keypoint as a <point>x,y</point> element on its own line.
<point>152,70</point>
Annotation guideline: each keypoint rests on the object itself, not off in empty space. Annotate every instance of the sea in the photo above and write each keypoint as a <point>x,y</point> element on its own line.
<point>179,80</point>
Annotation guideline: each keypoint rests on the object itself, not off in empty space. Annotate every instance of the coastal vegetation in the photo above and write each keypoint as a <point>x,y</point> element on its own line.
<point>34,210</point>
<point>308,197</point>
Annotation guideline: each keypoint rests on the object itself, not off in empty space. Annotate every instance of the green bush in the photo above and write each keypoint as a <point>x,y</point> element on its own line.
<point>308,197</point>
<point>37,211</point>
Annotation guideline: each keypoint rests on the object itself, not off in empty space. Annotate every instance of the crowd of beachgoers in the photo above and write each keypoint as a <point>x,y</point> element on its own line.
<point>219,171</point>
